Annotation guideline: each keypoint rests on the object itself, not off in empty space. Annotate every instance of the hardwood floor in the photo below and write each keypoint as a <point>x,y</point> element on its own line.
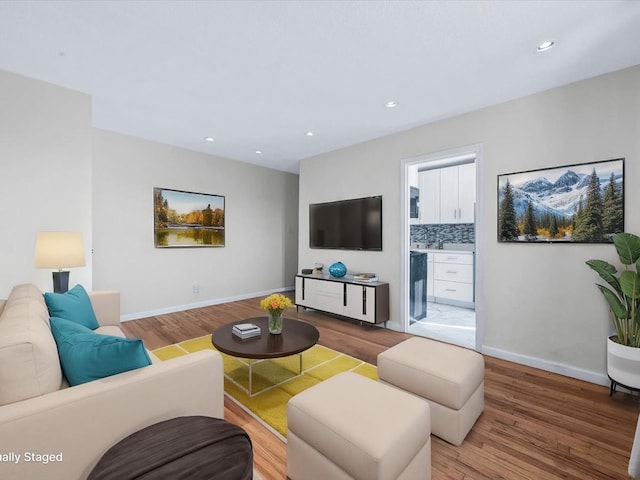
<point>535,425</point>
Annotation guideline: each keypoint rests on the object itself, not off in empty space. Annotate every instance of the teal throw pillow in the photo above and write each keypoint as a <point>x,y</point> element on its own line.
<point>74,305</point>
<point>86,355</point>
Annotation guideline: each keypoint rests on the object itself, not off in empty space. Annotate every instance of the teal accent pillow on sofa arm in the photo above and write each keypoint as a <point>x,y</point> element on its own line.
<point>74,305</point>
<point>86,355</point>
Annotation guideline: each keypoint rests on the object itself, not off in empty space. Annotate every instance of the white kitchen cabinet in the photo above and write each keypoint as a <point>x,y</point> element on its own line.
<point>429,196</point>
<point>458,292</point>
<point>341,296</point>
<point>453,272</point>
<point>458,194</point>
<point>449,196</point>
<point>453,278</point>
<point>467,193</point>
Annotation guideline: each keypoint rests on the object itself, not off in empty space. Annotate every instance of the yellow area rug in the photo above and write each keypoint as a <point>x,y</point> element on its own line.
<point>275,381</point>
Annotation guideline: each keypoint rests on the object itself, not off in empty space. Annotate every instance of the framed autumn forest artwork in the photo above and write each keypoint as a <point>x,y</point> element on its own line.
<point>580,203</point>
<point>187,219</point>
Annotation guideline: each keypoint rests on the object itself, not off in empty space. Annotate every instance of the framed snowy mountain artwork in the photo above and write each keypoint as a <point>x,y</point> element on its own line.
<point>580,203</point>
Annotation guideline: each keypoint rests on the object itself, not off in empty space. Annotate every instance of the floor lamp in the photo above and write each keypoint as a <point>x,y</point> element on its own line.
<point>59,250</point>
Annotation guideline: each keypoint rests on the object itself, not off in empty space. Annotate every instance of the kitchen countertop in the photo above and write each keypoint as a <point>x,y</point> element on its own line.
<point>448,248</point>
<point>436,250</point>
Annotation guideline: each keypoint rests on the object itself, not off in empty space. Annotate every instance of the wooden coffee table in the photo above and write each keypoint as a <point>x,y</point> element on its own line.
<point>296,337</point>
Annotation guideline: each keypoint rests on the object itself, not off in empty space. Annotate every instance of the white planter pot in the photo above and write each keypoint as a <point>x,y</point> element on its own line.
<point>623,365</point>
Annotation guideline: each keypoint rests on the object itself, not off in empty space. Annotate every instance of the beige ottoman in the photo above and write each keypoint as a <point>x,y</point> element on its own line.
<point>449,377</point>
<point>352,427</point>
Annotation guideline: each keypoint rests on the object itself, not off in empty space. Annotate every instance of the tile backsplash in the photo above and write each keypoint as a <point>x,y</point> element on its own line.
<point>446,232</point>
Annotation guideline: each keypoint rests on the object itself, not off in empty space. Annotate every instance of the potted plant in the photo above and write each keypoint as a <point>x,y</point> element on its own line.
<point>623,297</point>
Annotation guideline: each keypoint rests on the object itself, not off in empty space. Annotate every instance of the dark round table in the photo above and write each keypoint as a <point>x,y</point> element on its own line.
<point>296,337</point>
<point>208,449</point>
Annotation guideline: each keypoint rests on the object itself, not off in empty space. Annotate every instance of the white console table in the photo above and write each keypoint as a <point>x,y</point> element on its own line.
<point>366,302</point>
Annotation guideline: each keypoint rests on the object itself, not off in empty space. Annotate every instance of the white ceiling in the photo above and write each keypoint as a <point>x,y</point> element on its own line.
<point>257,75</point>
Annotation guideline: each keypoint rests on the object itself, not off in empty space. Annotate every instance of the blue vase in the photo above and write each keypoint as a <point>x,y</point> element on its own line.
<point>338,270</point>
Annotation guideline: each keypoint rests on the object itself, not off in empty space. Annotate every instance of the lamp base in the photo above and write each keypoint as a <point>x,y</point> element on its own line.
<point>60,281</point>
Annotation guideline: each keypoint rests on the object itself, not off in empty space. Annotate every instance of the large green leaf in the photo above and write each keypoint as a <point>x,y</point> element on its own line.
<point>618,309</point>
<point>607,273</point>
<point>630,284</point>
<point>628,247</point>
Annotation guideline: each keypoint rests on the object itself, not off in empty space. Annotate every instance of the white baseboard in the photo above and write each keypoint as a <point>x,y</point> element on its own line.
<point>553,367</point>
<point>204,303</point>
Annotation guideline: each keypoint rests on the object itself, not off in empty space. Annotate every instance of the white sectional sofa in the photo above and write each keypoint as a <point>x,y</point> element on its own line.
<point>51,431</point>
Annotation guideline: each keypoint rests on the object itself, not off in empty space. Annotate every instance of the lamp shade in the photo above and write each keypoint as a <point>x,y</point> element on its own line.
<point>59,250</point>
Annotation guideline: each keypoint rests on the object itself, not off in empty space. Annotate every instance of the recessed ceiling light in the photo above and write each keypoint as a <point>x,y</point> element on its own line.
<point>309,134</point>
<point>209,139</point>
<point>259,152</point>
<point>544,46</point>
<point>391,104</point>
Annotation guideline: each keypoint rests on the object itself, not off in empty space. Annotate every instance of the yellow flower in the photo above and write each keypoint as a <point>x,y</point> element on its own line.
<point>275,301</point>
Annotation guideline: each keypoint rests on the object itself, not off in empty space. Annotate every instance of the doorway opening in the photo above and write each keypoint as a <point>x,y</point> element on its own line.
<point>442,256</point>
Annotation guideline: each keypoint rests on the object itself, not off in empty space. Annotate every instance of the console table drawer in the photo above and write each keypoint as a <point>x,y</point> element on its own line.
<point>328,302</point>
<point>365,302</point>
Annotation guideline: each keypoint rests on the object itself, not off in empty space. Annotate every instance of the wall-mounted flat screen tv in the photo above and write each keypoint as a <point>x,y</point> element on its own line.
<point>354,224</point>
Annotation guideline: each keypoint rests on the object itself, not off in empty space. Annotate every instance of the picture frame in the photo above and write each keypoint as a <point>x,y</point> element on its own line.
<point>577,203</point>
<point>188,219</point>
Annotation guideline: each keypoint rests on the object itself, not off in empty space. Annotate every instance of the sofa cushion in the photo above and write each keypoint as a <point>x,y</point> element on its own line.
<point>74,305</point>
<point>29,364</point>
<point>86,355</point>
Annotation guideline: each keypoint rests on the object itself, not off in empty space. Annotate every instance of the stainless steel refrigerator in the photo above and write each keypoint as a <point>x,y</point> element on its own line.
<point>417,286</point>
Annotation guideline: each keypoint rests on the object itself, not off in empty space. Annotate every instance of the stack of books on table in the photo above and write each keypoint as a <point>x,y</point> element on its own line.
<point>246,330</point>
<point>365,277</point>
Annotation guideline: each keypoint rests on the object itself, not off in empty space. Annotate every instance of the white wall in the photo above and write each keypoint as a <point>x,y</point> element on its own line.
<point>45,175</point>
<point>58,173</point>
<point>261,214</point>
<point>539,303</point>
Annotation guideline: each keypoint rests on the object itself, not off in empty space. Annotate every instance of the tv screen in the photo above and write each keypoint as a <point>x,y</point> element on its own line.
<point>354,224</point>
